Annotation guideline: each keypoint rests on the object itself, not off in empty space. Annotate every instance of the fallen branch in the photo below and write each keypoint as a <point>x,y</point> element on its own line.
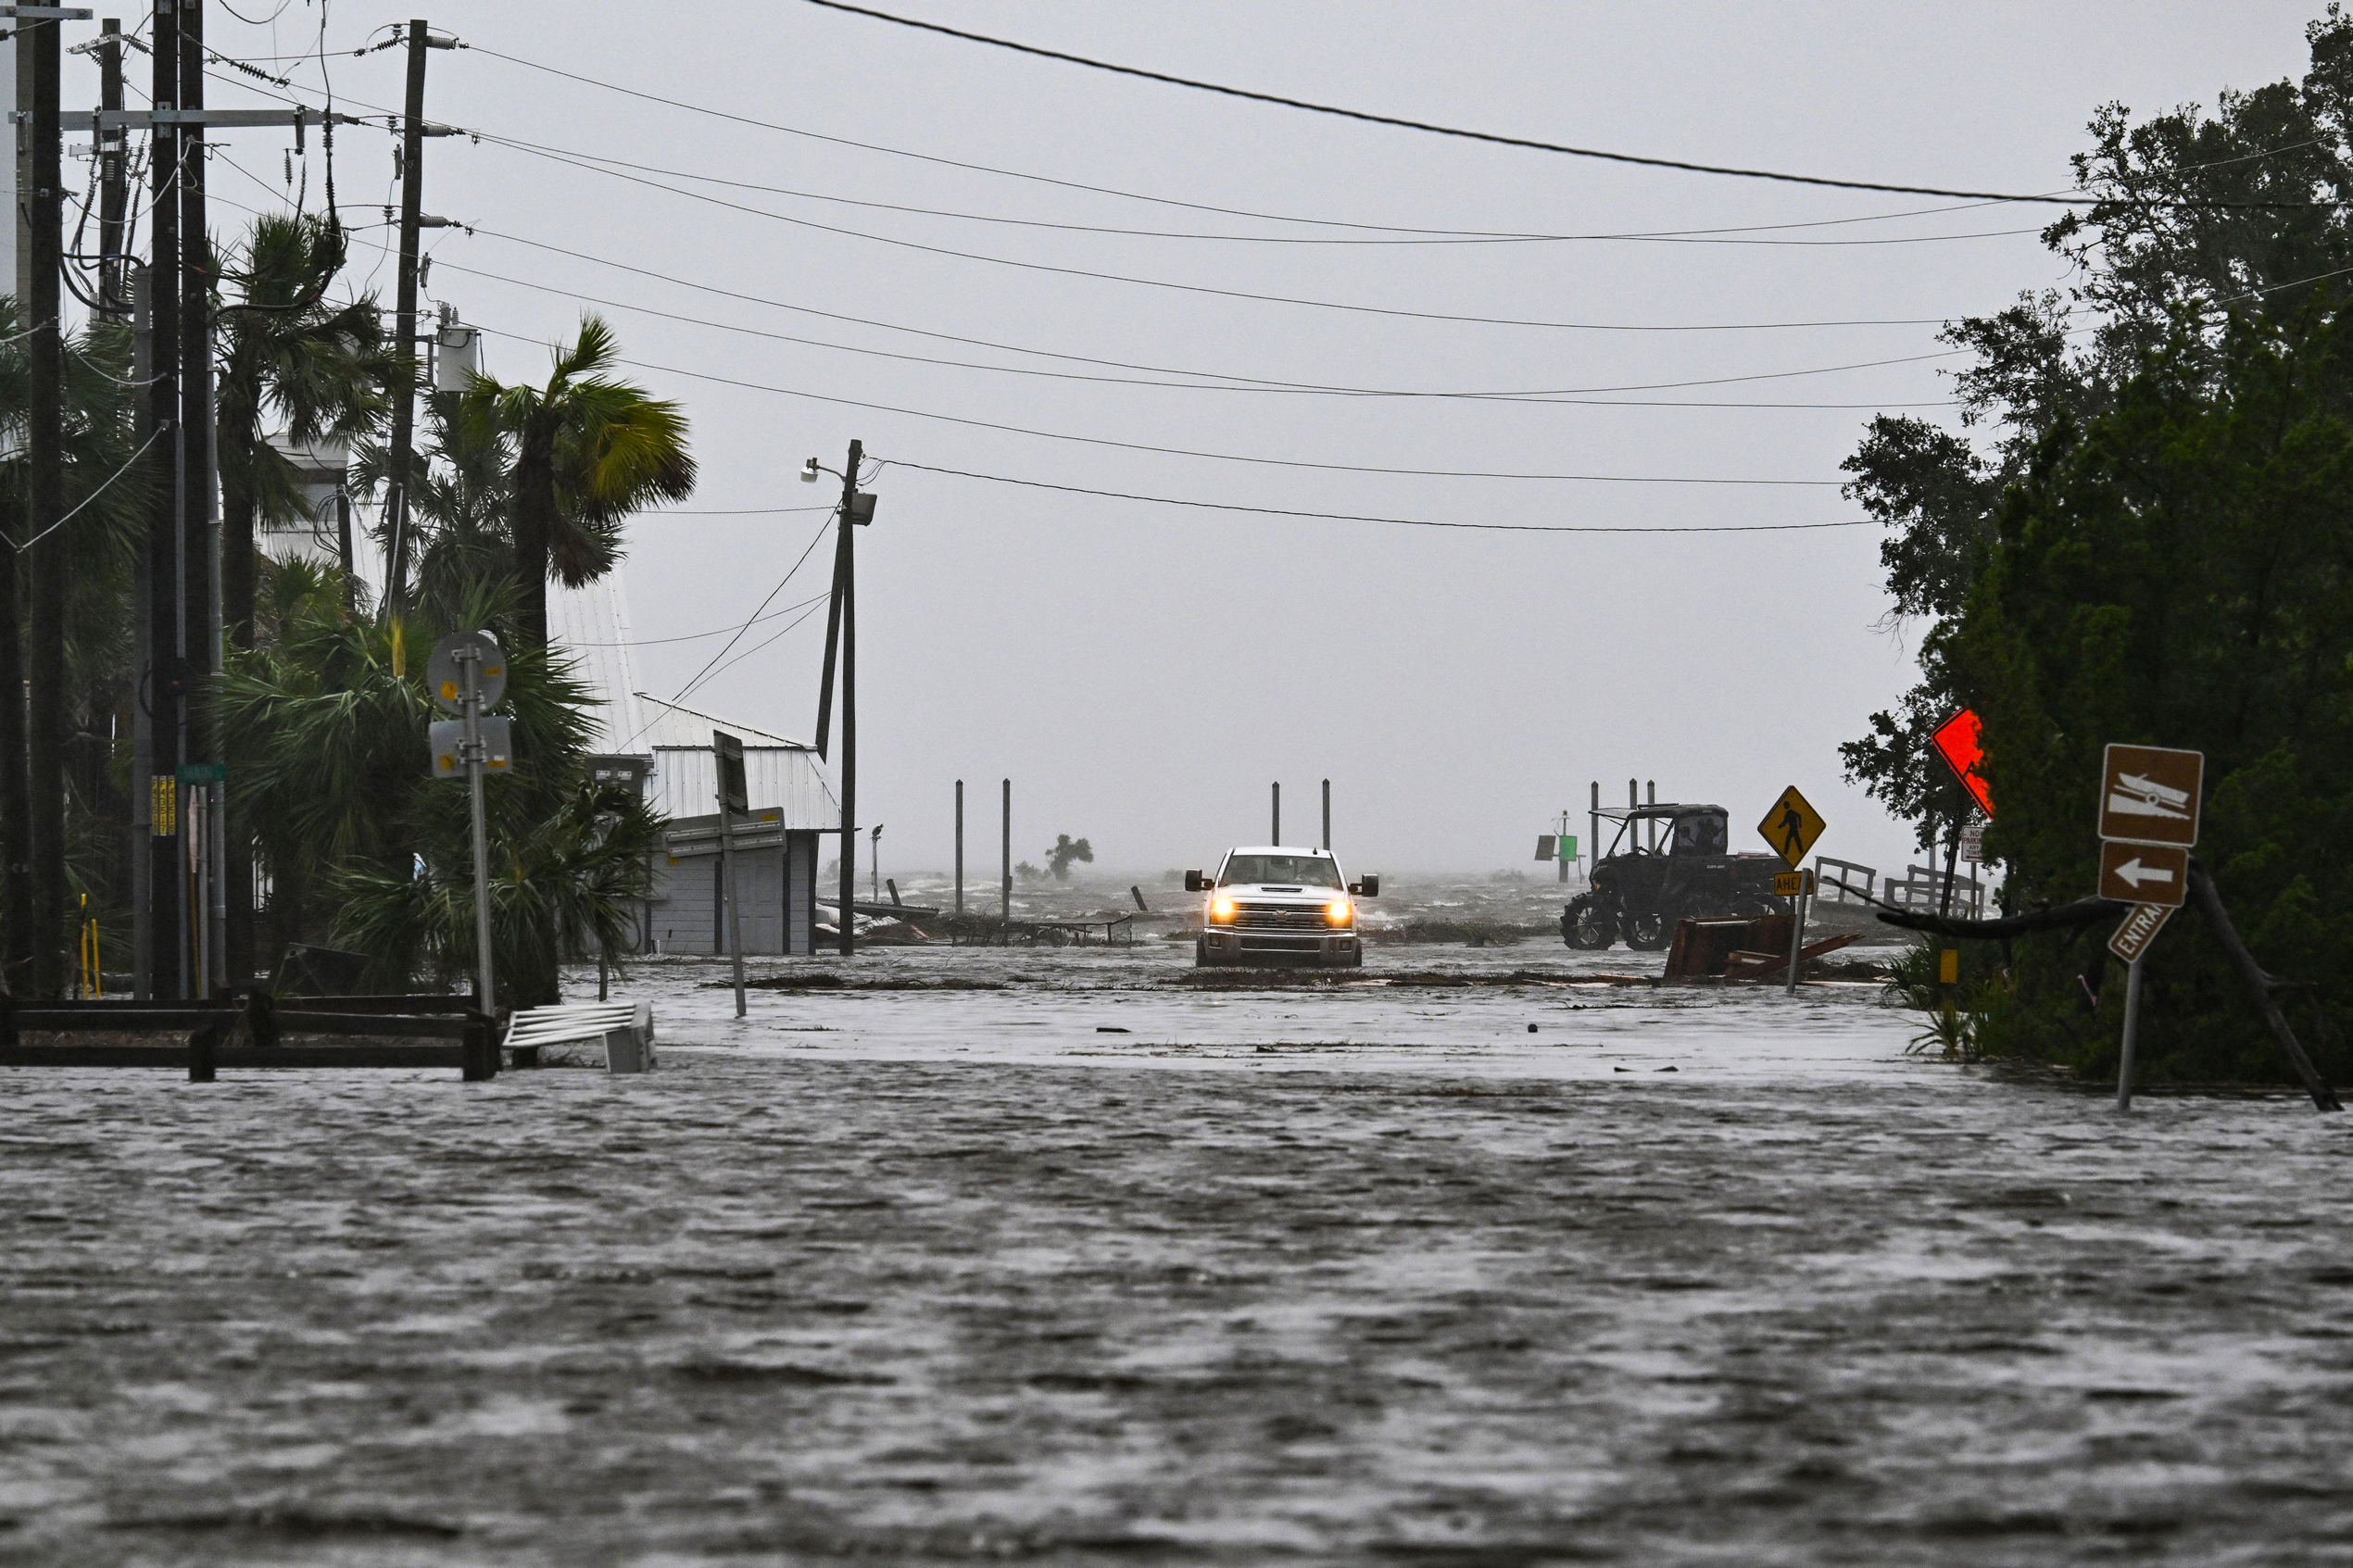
<point>2209,904</point>
<point>2062,917</point>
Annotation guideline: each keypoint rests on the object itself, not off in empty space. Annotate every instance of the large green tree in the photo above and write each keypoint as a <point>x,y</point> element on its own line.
<point>2179,572</point>
<point>2128,535</point>
<point>2192,218</point>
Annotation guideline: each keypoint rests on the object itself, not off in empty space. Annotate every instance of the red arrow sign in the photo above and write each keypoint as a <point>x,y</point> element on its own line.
<point>1956,741</point>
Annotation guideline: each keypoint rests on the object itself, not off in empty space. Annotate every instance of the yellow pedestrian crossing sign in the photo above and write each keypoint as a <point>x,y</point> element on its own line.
<point>1792,826</point>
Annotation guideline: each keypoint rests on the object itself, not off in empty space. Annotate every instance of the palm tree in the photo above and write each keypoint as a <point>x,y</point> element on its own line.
<point>462,490</point>
<point>589,450</point>
<point>317,370</point>
<point>326,723</point>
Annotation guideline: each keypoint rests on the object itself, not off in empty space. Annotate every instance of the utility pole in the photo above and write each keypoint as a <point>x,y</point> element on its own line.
<point>16,811</point>
<point>114,190</point>
<point>960,847</point>
<point>162,678</point>
<point>404,395</point>
<point>200,548</point>
<point>143,723</point>
<point>1006,885</point>
<point>1327,816</point>
<point>847,593</point>
<point>40,208</point>
<point>1275,832</point>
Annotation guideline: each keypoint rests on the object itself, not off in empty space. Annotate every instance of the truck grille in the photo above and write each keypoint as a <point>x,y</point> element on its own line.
<point>1280,917</point>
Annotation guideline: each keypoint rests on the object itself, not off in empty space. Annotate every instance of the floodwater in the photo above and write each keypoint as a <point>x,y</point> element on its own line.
<point>1061,1256</point>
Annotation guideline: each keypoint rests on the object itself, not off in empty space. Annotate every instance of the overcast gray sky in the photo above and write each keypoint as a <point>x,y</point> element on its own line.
<point>1144,672</point>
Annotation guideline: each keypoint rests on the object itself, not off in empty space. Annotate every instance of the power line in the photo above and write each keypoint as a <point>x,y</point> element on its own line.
<point>1110,190</point>
<point>698,636</point>
<point>1171,284</point>
<point>1742,234</point>
<point>588,164</point>
<point>921,414</point>
<point>1401,521</point>
<point>1268,389</point>
<point>1189,452</point>
<point>1114,364</point>
<point>1529,144</point>
<point>688,689</point>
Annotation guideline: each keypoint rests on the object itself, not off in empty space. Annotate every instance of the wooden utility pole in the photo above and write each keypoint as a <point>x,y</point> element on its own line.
<point>404,395</point>
<point>165,958</point>
<point>960,847</point>
<point>42,562</point>
<point>114,189</point>
<point>1005,887</point>
<point>199,549</point>
<point>845,559</point>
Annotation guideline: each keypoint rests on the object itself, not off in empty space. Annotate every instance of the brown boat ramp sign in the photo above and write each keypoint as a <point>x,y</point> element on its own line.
<point>2149,795</point>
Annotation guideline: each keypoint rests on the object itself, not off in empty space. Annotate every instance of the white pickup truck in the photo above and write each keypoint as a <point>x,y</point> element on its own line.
<point>1269,904</point>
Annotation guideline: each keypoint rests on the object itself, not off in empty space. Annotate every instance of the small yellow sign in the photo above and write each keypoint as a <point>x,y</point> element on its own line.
<point>1791,884</point>
<point>1792,826</point>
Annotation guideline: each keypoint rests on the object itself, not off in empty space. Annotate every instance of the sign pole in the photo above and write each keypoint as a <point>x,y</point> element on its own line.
<point>727,769</point>
<point>1797,938</point>
<point>469,659</point>
<point>2131,1034</point>
<point>734,910</point>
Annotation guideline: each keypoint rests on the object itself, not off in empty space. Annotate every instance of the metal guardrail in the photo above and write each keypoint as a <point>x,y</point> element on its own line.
<point>1851,880</point>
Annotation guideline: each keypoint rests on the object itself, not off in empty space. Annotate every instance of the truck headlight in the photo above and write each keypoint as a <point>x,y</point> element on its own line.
<point>1221,910</point>
<point>1337,911</point>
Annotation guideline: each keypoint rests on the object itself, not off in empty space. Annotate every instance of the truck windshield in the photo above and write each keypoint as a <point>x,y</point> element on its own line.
<point>1300,871</point>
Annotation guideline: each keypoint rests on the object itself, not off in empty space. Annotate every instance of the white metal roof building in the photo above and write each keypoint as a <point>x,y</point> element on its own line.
<point>780,773</point>
<point>668,746</point>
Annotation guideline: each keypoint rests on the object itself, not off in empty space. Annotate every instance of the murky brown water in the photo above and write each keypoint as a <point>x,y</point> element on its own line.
<point>941,1275</point>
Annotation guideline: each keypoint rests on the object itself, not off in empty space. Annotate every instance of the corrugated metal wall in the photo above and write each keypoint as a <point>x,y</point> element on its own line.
<point>684,782</point>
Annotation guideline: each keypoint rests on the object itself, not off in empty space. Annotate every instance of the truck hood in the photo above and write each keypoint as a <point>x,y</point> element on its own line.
<point>1280,893</point>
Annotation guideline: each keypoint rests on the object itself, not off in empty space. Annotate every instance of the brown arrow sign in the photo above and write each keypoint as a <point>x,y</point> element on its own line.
<point>2145,874</point>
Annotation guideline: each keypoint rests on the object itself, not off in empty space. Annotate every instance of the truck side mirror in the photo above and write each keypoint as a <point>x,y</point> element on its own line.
<point>1368,888</point>
<point>1195,881</point>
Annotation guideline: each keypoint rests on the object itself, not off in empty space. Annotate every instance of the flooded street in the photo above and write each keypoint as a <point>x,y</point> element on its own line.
<point>1064,1256</point>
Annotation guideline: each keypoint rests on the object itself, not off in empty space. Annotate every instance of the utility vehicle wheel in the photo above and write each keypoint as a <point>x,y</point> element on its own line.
<point>1649,930</point>
<point>1586,925</point>
<point>1200,952</point>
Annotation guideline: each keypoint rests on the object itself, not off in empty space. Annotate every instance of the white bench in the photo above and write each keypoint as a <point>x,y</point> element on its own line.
<point>625,1030</point>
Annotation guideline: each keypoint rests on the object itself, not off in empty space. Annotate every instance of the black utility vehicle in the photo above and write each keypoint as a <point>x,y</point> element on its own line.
<point>1667,863</point>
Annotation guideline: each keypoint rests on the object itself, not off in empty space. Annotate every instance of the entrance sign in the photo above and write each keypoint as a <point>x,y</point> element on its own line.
<point>1792,826</point>
<point>1957,741</point>
<point>447,680</point>
<point>2145,874</point>
<point>2140,929</point>
<point>2149,795</point>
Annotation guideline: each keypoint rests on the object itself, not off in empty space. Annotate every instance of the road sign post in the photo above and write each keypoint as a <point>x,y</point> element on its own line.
<point>727,754</point>
<point>1791,827</point>
<point>2149,800</point>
